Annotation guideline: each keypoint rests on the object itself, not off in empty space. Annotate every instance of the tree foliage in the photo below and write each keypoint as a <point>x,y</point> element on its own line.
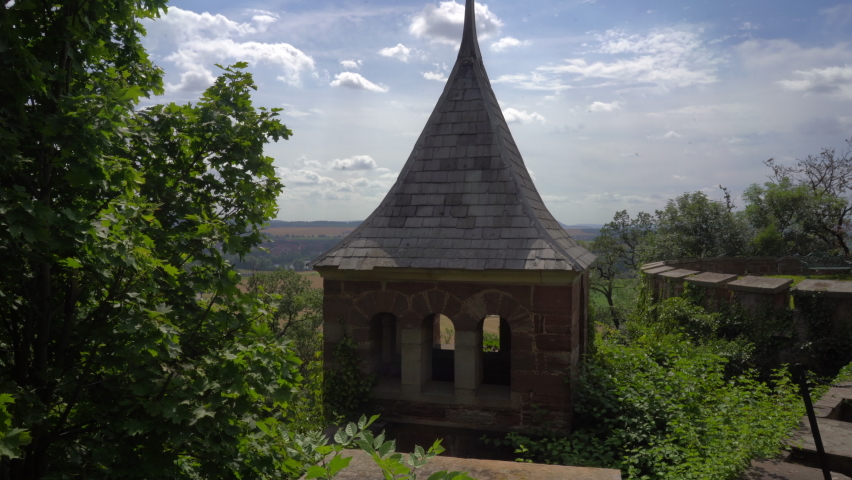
<point>656,405</point>
<point>618,247</point>
<point>113,222</point>
<point>821,185</point>
<point>293,303</point>
<point>694,226</point>
<point>787,219</point>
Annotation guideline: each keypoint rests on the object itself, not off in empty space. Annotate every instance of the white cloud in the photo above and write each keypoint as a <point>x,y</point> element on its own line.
<point>507,42</point>
<point>292,111</point>
<point>351,64</point>
<point>304,162</point>
<point>264,19</point>
<point>664,58</point>
<point>303,185</point>
<point>194,79</point>
<point>726,109</point>
<point>438,76</point>
<point>840,14</point>
<point>831,80</point>
<point>357,162</point>
<point>202,39</point>
<point>534,81</point>
<point>399,52</point>
<point>607,197</point>
<point>749,26</point>
<point>356,81</point>
<point>604,107</point>
<point>678,177</point>
<point>444,23</point>
<point>671,134</point>
<point>520,116</point>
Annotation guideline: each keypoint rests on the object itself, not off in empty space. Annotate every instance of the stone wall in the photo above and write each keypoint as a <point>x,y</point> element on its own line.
<point>547,326</point>
<point>823,308</point>
<point>738,265</point>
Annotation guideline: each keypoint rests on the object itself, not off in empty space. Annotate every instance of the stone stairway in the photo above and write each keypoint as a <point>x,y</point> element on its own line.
<point>834,418</point>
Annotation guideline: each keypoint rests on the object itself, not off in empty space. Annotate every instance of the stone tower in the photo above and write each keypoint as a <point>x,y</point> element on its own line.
<point>462,236</point>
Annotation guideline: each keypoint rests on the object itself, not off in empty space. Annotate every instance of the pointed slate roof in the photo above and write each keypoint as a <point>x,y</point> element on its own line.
<point>464,199</point>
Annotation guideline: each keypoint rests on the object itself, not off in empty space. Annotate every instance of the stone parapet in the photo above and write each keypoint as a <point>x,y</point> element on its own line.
<point>834,297</point>
<point>754,294</point>
<point>715,293</point>
<point>739,265</point>
<point>362,467</point>
<point>673,281</point>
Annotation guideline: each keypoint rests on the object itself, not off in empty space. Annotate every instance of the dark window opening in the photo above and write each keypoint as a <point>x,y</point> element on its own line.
<point>496,351</point>
<point>388,353</point>
<point>443,349</point>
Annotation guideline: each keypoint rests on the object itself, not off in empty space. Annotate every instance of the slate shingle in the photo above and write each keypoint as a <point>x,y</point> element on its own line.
<point>464,199</point>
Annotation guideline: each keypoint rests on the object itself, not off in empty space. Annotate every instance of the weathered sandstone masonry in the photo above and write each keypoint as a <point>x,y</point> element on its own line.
<point>542,339</point>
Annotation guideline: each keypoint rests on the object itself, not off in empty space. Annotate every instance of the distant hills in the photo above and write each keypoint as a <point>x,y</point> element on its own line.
<point>320,223</point>
<point>581,226</point>
<point>581,231</point>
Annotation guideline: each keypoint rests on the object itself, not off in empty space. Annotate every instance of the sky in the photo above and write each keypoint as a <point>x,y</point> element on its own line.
<point>615,105</point>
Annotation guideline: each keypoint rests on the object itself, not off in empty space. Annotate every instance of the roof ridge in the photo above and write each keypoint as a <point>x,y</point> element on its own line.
<point>470,43</point>
<point>498,121</point>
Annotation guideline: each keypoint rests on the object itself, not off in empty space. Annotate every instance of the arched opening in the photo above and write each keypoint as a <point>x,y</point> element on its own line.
<point>443,349</point>
<point>496,351</point>
<point>387,352</point>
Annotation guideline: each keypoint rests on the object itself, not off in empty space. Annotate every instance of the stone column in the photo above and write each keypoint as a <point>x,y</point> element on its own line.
<point>755,293</point>
<point>655,282</point>
<point>468,362</point>
<point>388,337</point>
<point>713,283</point>
<point>416,358</point>
<point>673,282</point>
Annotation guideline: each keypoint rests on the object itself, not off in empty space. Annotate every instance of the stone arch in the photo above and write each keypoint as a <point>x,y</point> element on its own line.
<point>371,303</point>
<point>502,304</point>
<point>432,302</point>
<point>494,368</point>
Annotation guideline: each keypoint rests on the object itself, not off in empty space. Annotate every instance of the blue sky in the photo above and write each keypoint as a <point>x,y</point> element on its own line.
<point>614,104</point>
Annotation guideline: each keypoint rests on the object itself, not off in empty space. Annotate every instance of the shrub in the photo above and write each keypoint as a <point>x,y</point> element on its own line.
<point>655,405</point>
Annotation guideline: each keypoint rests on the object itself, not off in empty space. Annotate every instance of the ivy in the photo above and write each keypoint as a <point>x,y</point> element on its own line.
<point>346,388</point>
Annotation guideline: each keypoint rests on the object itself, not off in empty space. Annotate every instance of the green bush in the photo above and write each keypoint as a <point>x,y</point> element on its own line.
<point>346,388</point>
<point>490,342</point>
<point>655,405</point>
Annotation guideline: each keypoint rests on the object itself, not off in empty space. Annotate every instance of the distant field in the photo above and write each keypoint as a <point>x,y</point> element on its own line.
<point>587,234</point>
<point>314,277</point>
<point>310,231</point>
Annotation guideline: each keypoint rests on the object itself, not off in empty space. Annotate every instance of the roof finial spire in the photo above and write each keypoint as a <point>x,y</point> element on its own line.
<point>470,44</point>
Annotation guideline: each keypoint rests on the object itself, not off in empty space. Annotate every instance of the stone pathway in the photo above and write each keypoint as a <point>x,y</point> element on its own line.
<point>834,418</point>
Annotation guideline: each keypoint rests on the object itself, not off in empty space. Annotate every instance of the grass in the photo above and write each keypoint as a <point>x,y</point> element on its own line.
<point>798,278</point>
<point>622,288</point>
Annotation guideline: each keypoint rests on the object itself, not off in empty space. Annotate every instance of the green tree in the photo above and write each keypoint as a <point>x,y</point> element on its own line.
<point>619,246</point>
<point>290,297</point>
<point>112,222</point>
<point>294,312</point>
<point>693,226</point>
<point>787,218</point>
<point>828,178</point>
